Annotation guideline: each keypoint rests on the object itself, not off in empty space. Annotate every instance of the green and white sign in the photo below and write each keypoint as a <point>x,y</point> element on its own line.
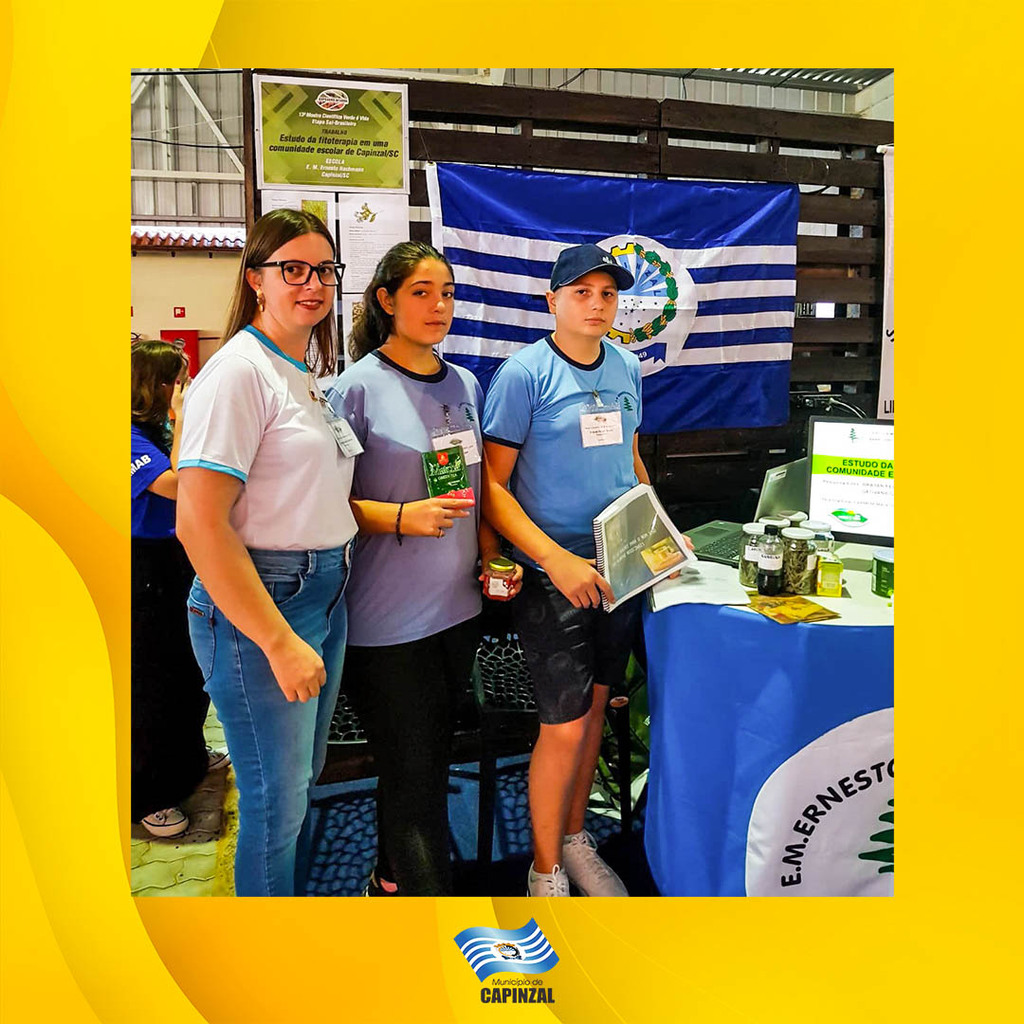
<point>341,136</point>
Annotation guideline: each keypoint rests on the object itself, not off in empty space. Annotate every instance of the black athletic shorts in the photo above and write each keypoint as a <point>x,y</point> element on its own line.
<point>569,650</point>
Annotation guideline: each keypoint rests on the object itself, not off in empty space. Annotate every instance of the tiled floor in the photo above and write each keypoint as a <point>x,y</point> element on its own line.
<point>198,863</point>
<point>201,862</point>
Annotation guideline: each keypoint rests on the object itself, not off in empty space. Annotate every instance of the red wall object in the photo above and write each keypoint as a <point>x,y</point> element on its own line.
<point>191,346</point>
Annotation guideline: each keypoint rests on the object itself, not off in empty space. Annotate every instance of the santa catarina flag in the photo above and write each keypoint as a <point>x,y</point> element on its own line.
<point>710,315</point>
<point>523,950</point>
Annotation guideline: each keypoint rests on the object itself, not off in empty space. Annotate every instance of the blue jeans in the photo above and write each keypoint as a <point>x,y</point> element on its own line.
<point>277,748</point>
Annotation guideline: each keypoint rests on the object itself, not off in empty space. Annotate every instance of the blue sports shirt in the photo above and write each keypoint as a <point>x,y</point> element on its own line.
<point>152,514</point>
<point>534,404</point>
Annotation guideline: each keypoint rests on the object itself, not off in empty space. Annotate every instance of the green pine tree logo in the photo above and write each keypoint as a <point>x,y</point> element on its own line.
<point>883,855</point>
<point>853,434</point>
<point>627,403</point>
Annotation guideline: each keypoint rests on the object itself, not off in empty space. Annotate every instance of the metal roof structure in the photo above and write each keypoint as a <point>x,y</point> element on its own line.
<point>822,79</point>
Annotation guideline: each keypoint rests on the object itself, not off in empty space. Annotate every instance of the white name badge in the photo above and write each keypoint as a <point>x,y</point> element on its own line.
<point>600,425</point>
<point>343,433</point>
<point>466,439</point>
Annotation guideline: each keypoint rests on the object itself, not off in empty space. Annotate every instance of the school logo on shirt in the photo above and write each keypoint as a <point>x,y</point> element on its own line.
<point>498,952</point>
<point>142,460</point>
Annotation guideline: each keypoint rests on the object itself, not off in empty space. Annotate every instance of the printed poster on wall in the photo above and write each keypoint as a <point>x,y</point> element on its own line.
<point>339,136</point>
<point>320,204</point>
<point>368,225</point>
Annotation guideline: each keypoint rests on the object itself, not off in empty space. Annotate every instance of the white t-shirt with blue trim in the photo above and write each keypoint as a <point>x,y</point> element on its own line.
<point>249,414</point>
<point>533,404</point>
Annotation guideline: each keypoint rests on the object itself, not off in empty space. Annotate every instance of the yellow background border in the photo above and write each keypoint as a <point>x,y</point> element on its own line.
<point>76,947</point>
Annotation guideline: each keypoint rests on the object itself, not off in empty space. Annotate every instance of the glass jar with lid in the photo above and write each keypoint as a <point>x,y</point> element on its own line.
<point>780,522</point>
<point>499,574</point>
<point>823,539</point>
<point>748,554</point>
<point>799,561</point>
<point>817,525</point>
<point>795,518</point>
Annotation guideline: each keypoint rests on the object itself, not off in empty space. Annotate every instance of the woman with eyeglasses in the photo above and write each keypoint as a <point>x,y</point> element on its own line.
<point>265,470</point>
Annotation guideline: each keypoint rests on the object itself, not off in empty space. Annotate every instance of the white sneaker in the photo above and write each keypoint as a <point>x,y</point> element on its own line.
<point>543,884</point>
<point>217,759</point>
<point>585,868</point>
<point>171,821</point>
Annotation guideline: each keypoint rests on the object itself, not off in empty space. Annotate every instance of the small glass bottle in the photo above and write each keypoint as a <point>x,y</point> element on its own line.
<point>769,562</point>
<point>748,554</point>
<point>498,575</point>
<point>799,561</point>
<point>830,569</point>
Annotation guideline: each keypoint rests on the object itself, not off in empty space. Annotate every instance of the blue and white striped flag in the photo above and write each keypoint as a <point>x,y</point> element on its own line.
<point>517,951</point>
<point>710,315</point>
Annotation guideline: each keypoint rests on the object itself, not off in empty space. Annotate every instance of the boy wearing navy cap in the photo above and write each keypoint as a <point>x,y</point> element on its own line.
<point>560,438</point>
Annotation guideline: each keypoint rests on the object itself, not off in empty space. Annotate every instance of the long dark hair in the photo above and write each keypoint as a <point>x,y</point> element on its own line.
<point>374,327</point>
<point>154,363</point>
<point>269,233</point>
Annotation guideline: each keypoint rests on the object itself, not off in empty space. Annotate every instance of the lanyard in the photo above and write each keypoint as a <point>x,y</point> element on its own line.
<point>316,394</point>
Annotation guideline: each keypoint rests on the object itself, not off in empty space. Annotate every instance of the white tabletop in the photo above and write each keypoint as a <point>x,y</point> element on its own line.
<point>858,606</point>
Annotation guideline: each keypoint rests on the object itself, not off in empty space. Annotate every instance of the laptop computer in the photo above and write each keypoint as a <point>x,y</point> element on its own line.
<point>784,487</point>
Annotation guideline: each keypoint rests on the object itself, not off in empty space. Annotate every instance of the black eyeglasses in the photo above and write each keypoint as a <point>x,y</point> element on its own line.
<point>299,272</point>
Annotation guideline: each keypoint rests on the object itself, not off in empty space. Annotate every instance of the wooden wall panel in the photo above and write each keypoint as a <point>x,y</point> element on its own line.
<point>730,123</point>
<point>648,138</point>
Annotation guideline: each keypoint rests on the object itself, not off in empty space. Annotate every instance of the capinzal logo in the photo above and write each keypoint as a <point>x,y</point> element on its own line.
<point>523,950</point>
<point>332,99</point>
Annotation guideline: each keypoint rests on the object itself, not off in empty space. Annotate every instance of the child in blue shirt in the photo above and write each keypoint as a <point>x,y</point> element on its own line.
<point>549,472</point>
<point>169,753</point>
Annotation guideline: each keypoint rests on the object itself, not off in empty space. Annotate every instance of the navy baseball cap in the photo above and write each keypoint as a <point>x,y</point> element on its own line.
<point>573,263</point>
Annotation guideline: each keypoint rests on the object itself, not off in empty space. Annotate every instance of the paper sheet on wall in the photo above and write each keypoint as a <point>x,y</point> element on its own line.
<point>351,309</point>
<point>322,204</point>
<point>368,225</point>
<point>712,583</point>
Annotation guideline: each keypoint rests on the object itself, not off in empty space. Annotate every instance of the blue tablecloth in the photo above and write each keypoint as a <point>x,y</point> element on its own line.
<point>734,696</point>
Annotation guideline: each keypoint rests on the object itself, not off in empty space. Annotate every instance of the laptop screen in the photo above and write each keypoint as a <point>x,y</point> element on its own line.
<point>851,479</point>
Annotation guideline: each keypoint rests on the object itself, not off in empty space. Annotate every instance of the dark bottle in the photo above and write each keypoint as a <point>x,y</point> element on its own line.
<point>769,562</point>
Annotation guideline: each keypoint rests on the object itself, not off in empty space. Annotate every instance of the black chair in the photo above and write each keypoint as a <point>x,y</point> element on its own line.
<point>500,720</point>
<point>509,723</point>
<point>508,718</point>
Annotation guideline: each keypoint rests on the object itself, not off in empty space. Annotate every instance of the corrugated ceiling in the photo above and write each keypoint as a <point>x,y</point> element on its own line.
<point>824,79</point>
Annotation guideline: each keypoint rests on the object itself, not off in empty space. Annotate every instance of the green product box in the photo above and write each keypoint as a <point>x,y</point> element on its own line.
<point>446,474</point>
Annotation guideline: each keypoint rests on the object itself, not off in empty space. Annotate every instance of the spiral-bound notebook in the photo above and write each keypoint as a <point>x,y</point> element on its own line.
<point>637,544</point>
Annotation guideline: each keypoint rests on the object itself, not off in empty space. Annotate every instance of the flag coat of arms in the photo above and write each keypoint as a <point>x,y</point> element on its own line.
<point>710,315</point>
<point>510,951</point>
